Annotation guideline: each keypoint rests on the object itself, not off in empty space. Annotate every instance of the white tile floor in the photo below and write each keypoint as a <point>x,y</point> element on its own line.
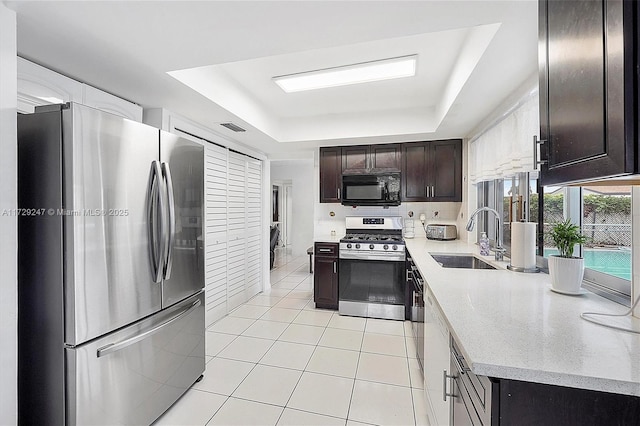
<point>277,360</point>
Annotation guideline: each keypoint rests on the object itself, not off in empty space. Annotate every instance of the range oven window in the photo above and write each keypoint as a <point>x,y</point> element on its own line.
<point>372,281</point>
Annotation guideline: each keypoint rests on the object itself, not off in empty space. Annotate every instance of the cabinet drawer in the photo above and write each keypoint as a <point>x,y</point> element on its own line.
<point>326,250</point>
<point>478,388</point>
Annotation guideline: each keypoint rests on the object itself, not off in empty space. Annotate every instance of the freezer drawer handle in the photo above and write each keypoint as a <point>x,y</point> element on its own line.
<point>114,347</point>
<point>166,171</point>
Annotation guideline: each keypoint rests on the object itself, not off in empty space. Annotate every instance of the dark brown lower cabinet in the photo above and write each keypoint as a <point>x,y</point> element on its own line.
<point>513,402</point>
<point>325,275</point>
<point>524,403</point>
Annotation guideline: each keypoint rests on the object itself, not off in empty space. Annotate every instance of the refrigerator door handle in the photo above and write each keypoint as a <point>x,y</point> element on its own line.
<point>155,197</point>
<point>114,347</point>
<point>166,171</point>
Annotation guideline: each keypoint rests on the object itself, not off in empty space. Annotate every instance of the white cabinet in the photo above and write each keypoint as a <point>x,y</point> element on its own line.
<point>215,274</point>
<point>436,361</point>
<point>104,101</point>
<point>244,209</point>
<point>236,216</point>
<point>253,283</point>
<point>38,85</point>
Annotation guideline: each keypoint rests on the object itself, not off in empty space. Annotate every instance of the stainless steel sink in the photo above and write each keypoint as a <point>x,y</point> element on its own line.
<point>464,261</point>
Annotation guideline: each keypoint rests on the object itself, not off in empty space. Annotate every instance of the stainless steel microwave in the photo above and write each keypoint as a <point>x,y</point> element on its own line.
<point>371,190</point>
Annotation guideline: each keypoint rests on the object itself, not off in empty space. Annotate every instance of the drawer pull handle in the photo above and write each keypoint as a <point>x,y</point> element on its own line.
<point>461,367</point>
<point>445,394</point>
<point>114,347</point>
<point>324,250</point>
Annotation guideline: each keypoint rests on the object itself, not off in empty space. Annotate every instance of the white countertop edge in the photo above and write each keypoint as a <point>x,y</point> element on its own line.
<point>557,379</point>
<point>500,369</point>
<point>322,238</point>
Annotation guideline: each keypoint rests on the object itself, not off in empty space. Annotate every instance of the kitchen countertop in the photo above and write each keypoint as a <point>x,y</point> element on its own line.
<point>510,325</point>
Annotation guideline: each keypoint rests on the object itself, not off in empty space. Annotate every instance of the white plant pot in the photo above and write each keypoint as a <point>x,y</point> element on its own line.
<point>566,273</point>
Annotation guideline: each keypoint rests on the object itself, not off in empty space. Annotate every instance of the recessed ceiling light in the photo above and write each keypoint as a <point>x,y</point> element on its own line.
<point>384,69</point>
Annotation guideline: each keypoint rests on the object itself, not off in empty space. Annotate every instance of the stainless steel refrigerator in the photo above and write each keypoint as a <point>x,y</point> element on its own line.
<point>111,268</point>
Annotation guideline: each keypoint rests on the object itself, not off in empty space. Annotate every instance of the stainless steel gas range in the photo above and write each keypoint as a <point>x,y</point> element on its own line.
<point>372,268</point>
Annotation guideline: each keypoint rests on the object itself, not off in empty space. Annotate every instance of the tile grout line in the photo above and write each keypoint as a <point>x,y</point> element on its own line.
<point>316,346</point>
<point>353,387</point>
<point>302,374</point>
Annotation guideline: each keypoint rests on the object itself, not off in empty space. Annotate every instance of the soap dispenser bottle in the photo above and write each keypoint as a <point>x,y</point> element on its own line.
<point>484,244</point>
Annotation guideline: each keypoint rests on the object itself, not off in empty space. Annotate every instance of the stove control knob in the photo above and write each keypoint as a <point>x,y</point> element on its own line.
<point>348,245</point>
<point>371,246</point>
<point>395,247</point>
<point>357,246</point>
<point>386,247</point>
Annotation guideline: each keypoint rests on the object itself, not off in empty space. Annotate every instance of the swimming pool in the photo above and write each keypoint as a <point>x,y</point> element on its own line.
<point>612,262</point>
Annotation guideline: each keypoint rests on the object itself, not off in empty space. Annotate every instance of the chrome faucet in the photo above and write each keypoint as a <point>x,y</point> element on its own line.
<point>499,250</point>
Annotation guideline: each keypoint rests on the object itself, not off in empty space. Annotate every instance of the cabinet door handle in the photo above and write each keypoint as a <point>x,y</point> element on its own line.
<point>338,193</point>
<point>537,142</point>
<point>445,394</point>
<point>426,192</point>
<point>433,191</point>
<point>335,268</point>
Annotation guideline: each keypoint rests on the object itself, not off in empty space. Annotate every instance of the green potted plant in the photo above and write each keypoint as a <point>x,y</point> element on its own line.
<point>565,269</point>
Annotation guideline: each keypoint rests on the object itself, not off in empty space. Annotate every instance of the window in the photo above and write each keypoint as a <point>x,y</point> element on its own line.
<point>489,194</point>
<point>602,212</point>
<point>513,199</point>
<point>604,215</point>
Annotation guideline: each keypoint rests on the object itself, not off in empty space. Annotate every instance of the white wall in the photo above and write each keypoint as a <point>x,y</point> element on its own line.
<point>8,223</point>
<point>300,173</point>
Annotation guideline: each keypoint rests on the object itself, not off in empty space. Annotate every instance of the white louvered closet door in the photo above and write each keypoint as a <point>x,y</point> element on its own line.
<point>215,163</point>
<point>254,232</point>
<point>236,230</point>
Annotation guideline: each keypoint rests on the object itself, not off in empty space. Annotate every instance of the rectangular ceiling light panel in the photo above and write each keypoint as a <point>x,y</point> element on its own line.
<point>385,69</point>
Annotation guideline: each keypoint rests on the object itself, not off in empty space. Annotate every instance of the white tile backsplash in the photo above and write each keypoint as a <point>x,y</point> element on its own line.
<point>434,212</point>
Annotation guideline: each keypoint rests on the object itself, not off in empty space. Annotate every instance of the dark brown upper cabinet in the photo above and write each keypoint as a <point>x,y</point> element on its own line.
<point>330,174</point>
<point>371,158</point>
<point>386,157</point>
<point>588,90</point>
<point>432,171</point>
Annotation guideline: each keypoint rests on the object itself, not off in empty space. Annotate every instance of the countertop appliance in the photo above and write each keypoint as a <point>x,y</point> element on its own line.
<point>441,232</point>
<point>371,189</point>
<point>371,277</point>
<point>111,268</point>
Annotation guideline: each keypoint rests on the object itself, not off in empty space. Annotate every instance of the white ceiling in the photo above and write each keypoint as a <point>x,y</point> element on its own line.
<point>472,55</point>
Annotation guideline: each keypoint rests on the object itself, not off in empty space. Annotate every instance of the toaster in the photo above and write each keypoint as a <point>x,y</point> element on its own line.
<point>441,232</point>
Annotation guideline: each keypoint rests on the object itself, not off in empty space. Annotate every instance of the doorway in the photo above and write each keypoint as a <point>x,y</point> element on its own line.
<point>282,210</point>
